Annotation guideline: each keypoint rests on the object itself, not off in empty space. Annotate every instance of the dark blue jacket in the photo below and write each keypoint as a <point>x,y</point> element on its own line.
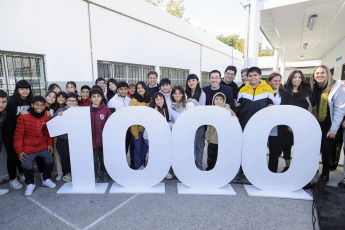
<point>227,91</point>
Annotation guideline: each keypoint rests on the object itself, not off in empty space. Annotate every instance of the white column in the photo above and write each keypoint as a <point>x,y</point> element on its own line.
<point>276,61</point>
<point>282,70</point>
<point>254,31</point>
<point>247,8</point>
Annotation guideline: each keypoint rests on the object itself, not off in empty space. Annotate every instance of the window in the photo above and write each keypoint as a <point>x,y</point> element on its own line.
<point>130,73</point>
<point>15,67</point>
<point>176,76</point>
<point>204,79</point>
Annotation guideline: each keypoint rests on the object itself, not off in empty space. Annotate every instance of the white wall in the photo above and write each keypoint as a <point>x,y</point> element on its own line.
<point>330,59</point>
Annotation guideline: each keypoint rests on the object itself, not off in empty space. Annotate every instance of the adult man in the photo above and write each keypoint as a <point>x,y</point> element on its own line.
<point>215,87</point>
<point>228,80</point>
<point>243,78</point>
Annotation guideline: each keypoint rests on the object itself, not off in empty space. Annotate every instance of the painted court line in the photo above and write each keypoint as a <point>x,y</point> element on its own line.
<point>110,212</point>
<point>53,214</point>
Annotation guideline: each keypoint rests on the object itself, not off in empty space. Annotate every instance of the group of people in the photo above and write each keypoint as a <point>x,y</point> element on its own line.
<point>23,118</point>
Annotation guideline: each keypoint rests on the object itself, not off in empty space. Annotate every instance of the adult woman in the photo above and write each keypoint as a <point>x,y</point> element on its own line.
<point>141,98</point>
<point>274,142</point>
<point>328,106</point>
<point>298,94</point>
<point>198,97</point>
<point>111,88</point>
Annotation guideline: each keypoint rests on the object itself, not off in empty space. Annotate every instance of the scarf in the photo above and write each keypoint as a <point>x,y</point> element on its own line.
<point>177,106</point>
<point>319,102</point>
<point>37,115</point>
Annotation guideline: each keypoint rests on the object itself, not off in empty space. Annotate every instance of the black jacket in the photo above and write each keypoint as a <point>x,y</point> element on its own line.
<point>233,86</point>
<point>2,118</point>
<point>227,91</point>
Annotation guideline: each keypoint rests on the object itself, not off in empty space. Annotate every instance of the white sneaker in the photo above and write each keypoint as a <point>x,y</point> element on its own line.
<point>29,189</point>
<point>141,167</point>
<point>58,177</point>
<point>67,178</point>
<point>22,177</point>
<point>48,183</point>
<point>15,184</point>
<point>169,176</point>
<point>3,191</point>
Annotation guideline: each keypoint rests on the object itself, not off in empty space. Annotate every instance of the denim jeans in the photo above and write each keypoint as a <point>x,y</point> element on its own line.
<point>140,150</point>
<point>199,145</point>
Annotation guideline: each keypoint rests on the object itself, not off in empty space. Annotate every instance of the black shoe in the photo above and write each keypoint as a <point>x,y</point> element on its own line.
<point>341,184</point>
<point>309,185</point>
<point>285,169</point>
<point>323,178</point>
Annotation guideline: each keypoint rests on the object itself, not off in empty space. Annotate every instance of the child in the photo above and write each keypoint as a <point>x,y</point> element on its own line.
<point>51,103</point>
<point>54,87</point>
<point>85,100</point>
<point>253,97</point>
<point>141,98</point>
<point>178,104</point>
<point>61,98</point>
<point>152,78</point>
<point>211,133</point>
<point>197,96</point>
<point>165,84</point>
<point>18,102</point>
<point>32,140</point>
<point>62,140</point>
<point>3,104</point>
<point>120,99</point>
<point>111,88</point>
<point>71,87</point>
<point>99,116</point>
<point>158,103</point>
<point>131,90</point>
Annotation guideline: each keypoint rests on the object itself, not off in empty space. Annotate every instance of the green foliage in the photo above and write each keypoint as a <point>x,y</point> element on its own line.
<point>156,2</point>
<point>238,43</point>
<point>176,8</point>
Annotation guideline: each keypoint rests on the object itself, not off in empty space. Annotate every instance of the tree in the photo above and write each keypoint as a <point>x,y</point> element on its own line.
<point>156,2</point>
<point>176,8</point>
<point>238,43</point>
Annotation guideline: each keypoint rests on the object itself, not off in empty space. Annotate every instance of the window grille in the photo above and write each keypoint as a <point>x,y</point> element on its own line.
<point>130,73</point>
<point>204,79</point>
<point>15,67</point>
<point>176,76</point>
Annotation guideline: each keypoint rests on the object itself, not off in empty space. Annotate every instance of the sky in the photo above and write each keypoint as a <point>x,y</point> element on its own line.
<point>217,17</point>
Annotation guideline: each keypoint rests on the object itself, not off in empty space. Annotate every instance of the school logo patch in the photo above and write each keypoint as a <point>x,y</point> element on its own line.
<point>102,116</point>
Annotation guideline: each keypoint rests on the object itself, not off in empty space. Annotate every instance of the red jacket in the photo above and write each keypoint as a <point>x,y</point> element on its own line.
<point>31,134</point>
<point>98,119</point>
<point>84,102</point>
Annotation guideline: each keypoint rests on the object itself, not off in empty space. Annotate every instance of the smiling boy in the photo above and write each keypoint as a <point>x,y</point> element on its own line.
<point>253,97</point>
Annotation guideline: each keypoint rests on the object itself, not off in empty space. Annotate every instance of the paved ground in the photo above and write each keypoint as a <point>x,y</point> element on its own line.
<point>47,210</point>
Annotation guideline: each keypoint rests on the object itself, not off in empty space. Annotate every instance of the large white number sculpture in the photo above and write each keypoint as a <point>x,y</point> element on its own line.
<point>114,133</point>
<point>76,123</point>
<point>229,150</point>
<point>307,139</point>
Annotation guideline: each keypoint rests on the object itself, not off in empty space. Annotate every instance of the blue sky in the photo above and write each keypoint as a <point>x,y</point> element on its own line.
<point>225,17</point>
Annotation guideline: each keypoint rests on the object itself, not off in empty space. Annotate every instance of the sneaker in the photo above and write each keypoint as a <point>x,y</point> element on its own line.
<point>58,177</point>
<point>169,176</point>
<point>141,167</point>
<point>22,177</point>
<point>285,169</point>
<point>3,191</point>
<point>15,184</point>
<point>29,189</point>
<point>341,184</point>
<point>48,183</point>
<point>67,178</point>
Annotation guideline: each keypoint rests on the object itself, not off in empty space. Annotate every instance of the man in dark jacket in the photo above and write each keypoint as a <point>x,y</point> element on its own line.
<point>228,80</point>
<point>215,87</point>
<point>3,104</point>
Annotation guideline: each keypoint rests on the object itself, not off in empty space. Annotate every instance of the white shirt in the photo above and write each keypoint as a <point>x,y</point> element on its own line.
<point>118,102</point>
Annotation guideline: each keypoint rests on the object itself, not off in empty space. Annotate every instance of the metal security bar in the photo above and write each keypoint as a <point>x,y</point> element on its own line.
<point>176,76</point>
<point>131,73</point>
<point>204,79</point>
<point>15,67</point>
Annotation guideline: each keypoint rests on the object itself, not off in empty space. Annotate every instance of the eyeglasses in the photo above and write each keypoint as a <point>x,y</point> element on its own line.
<point>73,101</point>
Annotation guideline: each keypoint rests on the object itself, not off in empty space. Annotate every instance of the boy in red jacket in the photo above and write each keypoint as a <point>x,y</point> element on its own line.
<point>99,115</point>
<point>31,140</point>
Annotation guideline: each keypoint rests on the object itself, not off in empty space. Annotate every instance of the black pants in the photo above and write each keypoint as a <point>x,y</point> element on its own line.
<point>98,161</point>
<point>63,150</point>
<point>13,161</point>
<point>326,146</point>
<point>129,144</point>
<point>212,153</point>
<point>275,148</point>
